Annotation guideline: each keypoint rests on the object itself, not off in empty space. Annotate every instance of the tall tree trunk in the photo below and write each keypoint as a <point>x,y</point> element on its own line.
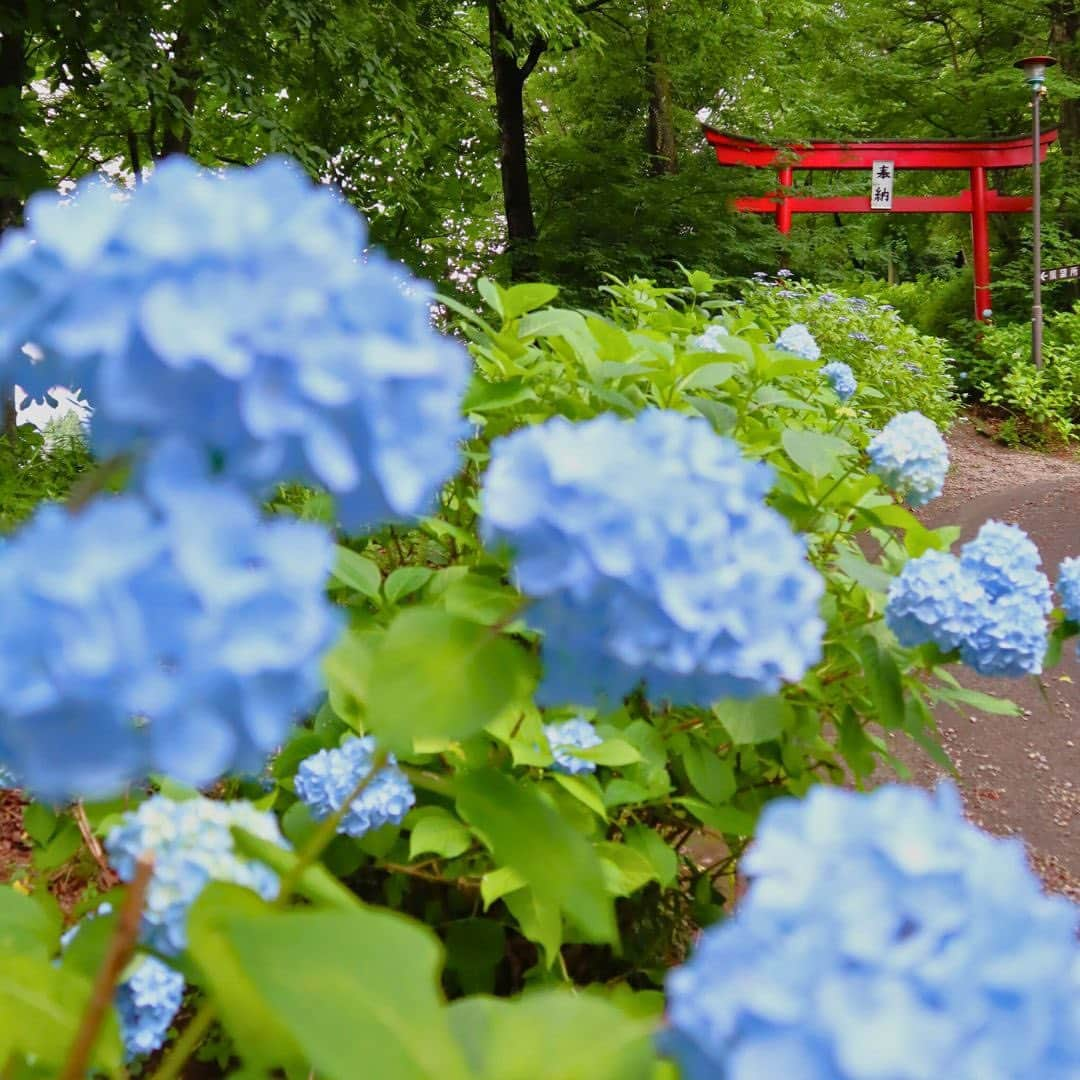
<point>660,130</point>
<point>513,150</point>
<point>13,74</point>
<point>1064,24</point>
<point>177,135</point>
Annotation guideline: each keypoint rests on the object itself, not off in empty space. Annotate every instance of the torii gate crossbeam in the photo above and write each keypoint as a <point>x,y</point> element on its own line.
<point>975,157</point>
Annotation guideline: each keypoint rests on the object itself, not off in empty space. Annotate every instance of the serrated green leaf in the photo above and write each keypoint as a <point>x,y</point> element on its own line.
<point>436,831</point>
<point>404,581</point>
<point>356,572</point>
<point>815,452</point>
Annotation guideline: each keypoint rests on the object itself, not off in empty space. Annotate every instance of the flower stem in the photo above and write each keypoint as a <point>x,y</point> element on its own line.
<point>116,959</point>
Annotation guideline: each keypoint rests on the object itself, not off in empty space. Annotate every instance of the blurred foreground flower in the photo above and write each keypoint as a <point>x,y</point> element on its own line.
<point>242,312</point>
<point>182,636</point>
<point>883,938</point>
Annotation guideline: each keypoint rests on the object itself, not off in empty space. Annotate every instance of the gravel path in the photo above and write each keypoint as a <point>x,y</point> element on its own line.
<point>1019,775</point>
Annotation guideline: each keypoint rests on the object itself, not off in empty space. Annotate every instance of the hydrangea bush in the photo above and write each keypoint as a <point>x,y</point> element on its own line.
<point>362,789</point>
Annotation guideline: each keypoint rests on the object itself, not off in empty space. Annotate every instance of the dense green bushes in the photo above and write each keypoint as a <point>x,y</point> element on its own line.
<point>908,369</point>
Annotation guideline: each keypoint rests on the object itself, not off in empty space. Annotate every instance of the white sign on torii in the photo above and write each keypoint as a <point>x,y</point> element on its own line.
<point>881,181</point>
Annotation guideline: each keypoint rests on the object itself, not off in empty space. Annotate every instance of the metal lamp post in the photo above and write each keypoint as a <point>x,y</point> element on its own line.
<point>1034,69</point>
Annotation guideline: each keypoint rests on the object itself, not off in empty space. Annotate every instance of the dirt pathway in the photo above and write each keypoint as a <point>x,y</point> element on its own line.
<point>1019,775</point>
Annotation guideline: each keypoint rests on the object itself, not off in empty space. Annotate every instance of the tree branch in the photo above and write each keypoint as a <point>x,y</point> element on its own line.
<point>536,50</point>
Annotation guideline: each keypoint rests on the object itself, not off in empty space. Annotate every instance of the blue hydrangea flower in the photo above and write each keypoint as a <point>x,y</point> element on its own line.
<point>841,378</point>
<point>7,779</point>
<point>828,298</point>
<point>907,365</point>
<point>325,780</point>
<point>240,311</point>
<point>1068,587</point>
<point>578,734</point>
<point>883,936</point>
<point>911,457</point>
<point>147,998</point>
<point>1004,561</point>
<point>798,340</point>
<point>1009,640</point>
<point>192,845</point>
<point>147,1002</point>
<point>960,603</point>
<point>650,554</point>
<point>712,340</point>
<point>934,599</point>
<point>785,273</point>
<point>858,303</point>
<point>858,335</point>
<point>180,635</point>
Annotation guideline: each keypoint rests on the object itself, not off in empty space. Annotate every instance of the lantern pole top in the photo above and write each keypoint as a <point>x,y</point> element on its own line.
<point>1034,67</point>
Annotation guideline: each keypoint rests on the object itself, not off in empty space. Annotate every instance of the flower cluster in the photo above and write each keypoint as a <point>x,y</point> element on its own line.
<point>841,378</point>
<point>179,633</point>
<point>798,340</point>
<point>990,603</point>
<point>147,998</point>
<point>241,312</point>
<point>1068,587</point>
<point>192,845</point>
<point>576,734</point>
<point>147,1001</point>
<point>911,457</point>
<point>712,339</point>
<point>651,555</point>
<point>325,780</point>
<point>882,936</point>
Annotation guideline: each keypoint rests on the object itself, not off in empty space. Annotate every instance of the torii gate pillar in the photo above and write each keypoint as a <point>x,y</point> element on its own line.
<point>975,158</point>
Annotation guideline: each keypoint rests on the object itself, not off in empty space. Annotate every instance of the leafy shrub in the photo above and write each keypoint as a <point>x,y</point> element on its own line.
<point>899,368</point>
<point>1041,404</point>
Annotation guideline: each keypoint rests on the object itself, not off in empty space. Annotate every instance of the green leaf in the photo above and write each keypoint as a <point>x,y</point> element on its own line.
<point>40,1009</point>
<point>712,776</point>
<point>722,416</point>
<point>976,699</point>
<point>611,752</point>
<point>553,1035</point>
<point>60,848</point>
<point>527,835</point>
<point>651,844</point>
<point>487,396</point>
<point>619,792</point>
<point>723,819</point>
<point>866,574</point>
<point>496,884</point>
<point>883,680</point>
<point>528,296</point>
<point>625,869</point>
<point>438,675</point>
<point>437,831</point>
<point>356,572</point>
<point>305,989</point>
<point>539,919</point>
<point>492,294</point>
<point>40,822</point>
<point>474,950</point>
<point>816,453</point>
<point>406,580</point>
<point>710,375</point>
<point>347,668</point>
<point>585,789</point>
<point>756,721</point>
<point>26,927</point>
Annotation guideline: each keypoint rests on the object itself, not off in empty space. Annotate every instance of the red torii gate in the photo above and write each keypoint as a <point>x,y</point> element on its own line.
<point>976,157</point>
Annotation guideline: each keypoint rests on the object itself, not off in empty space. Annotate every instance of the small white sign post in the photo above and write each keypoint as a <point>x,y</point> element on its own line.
<point>881,180</point>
